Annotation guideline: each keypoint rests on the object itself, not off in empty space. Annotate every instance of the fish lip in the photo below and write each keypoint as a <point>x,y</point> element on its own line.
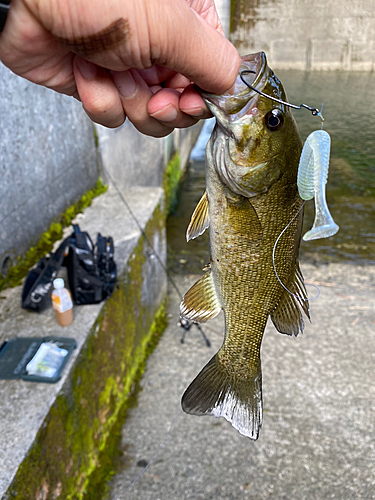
<point>234,103</point>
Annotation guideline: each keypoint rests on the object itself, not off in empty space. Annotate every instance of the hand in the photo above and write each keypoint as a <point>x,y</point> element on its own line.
<point>123,58</point>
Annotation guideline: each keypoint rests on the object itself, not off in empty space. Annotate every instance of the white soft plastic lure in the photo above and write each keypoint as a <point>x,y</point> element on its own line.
<point>312,180</point>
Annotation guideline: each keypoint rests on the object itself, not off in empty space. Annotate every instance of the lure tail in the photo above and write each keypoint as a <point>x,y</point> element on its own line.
<point>217,392</point>
<point>312,180</point>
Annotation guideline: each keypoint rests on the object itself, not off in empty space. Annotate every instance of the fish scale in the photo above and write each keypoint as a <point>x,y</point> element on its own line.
<point>244,325</point>
<point>251,197</point>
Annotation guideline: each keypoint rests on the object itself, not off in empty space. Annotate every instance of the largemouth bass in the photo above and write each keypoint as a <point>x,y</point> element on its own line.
<point>251,196</point>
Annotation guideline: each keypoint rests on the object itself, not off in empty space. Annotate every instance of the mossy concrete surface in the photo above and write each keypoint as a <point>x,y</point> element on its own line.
<point>52,435</point>
<point>18,270</point>
<point>172,177</point>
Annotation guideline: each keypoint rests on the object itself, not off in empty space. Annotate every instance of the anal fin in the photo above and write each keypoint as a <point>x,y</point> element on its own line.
<point>199,221</point>
<point>287,316</point>
<point>200,302</point>
<point>217,392</point>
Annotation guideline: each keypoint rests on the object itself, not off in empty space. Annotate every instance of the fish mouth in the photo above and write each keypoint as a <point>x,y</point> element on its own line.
<point>237,102</point>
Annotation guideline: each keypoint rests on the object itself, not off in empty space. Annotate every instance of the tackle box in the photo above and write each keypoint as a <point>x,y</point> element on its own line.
<point>35,359</point>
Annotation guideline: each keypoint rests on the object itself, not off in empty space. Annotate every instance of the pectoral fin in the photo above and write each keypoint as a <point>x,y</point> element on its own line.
<point>287,317</point>
<point>200,302</point>
<point>199,220</point>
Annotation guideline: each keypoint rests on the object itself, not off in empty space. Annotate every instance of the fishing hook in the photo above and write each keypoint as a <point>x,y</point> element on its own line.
<point>314,111</point>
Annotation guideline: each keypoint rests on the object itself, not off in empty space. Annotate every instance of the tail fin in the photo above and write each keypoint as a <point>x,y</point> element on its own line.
<point>217,392</point>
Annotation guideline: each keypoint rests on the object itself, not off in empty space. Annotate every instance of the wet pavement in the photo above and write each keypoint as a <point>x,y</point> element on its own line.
<point>318,434</point>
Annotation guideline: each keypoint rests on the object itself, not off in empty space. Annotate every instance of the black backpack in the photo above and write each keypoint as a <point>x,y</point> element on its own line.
<point>37,288</point>
<point>91,271</point>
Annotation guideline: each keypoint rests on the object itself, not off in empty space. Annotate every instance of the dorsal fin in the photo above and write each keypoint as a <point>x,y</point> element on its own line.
<point>200,302</point>
<point>287,316</point>
<point>199,221</point>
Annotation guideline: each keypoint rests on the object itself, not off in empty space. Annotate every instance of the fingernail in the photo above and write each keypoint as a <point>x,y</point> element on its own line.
<point>194,112</point>
<point>167,114</point>
<point>87,69</point>
<point>124,82</point>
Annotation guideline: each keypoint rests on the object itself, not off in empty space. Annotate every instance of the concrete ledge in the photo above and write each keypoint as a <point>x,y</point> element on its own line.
<point>51,435</point>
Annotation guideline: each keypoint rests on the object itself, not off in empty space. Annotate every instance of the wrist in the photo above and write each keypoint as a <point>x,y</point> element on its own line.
<point>4,8</point>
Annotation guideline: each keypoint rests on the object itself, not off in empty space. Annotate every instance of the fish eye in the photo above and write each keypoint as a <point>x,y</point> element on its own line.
<point>274,120</point>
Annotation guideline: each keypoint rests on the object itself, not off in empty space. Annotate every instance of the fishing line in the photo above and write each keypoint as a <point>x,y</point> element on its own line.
<point>274,265</point>
<point>157,451</point>
<point>142,231</point>
<point>154,253</point>
<point>314,111</point>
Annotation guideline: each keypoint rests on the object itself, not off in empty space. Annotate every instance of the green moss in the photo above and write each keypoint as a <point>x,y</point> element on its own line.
<point>244,14</point>
<point>111,458</point>
<point>72,455</point>
<point>45,244</point>
<point>171,182</point>
<point>233,12</point>
<point>96,137</point>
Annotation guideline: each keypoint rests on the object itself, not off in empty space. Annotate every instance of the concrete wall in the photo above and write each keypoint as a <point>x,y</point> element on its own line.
<point>131,158</point>
<point>47,160</point>
<point>307,34</point>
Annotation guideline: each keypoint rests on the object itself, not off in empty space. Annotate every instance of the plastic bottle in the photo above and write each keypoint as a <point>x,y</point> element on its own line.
<point>62,303</point>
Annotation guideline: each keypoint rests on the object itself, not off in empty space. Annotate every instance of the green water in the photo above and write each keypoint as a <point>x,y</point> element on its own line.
<point>349,112</point>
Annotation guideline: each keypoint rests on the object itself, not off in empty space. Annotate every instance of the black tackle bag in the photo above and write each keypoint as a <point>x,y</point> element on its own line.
<point>36,290</point>
<point>91,271</point>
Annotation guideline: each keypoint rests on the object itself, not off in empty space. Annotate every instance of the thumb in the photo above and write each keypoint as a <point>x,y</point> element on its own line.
<point>194,48</point>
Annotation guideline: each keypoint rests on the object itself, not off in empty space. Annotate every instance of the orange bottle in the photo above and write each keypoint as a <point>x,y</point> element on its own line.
<point>62,303</point>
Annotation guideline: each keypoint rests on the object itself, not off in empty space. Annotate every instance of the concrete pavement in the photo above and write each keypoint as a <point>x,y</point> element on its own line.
<point>318,435</point>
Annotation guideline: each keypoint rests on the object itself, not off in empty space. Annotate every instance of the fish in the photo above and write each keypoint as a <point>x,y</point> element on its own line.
<point>251,197</point>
